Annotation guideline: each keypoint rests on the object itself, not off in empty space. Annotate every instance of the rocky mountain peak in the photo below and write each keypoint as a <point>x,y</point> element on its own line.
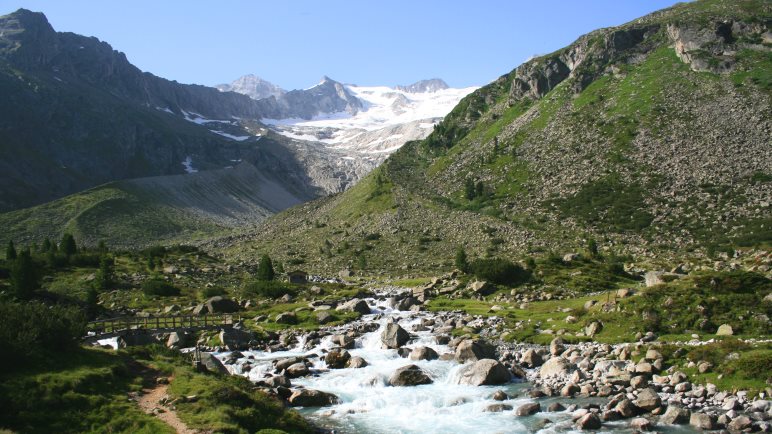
<point>24,31</point>
<point>253,87</point>
<point>425,86</point>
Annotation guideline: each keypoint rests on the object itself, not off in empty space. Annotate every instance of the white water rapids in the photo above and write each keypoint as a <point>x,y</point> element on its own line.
<point>370,405</point>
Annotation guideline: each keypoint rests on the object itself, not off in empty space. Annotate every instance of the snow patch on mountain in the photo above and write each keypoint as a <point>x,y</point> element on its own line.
<point>389,117</point>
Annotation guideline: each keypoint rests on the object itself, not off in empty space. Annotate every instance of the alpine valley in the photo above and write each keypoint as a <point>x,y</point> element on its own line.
<point>582,244</point>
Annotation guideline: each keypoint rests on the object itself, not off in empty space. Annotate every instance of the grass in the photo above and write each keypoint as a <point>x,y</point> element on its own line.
<point>736,365</point>
<point>230,404</point>
<point>83,391</point>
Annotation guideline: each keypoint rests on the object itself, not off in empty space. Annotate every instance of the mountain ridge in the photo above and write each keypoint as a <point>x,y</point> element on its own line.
<point>616,137</point>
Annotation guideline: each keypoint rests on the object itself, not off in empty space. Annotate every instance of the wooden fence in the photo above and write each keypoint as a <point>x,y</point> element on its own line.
<point>114,325</point>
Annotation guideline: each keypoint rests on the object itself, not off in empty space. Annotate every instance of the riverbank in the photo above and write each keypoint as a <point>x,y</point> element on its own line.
<point>559,387</point>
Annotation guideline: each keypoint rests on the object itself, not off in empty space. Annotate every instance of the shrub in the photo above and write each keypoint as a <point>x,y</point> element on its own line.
<point>160,288</point>
<point>267,289</point>
<point>31,330</point>
<point>753,365</point>
<point>213,291</point>
<point>500,271</point>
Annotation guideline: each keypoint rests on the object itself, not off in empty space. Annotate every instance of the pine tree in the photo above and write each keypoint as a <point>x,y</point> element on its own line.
<point>68,246</point>
<point>592,247</point>
<point>10,252</point>
<point>24,276</point>
<point>279,268</point>
<point>462,262</point>
<point>102,247</point>
<point>104,276</point>
<point>265,270</point>
<point>92,302</point>
<point>479,189</point>
<point>469,191</point>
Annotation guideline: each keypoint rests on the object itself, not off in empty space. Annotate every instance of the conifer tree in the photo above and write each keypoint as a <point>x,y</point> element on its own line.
<point>24,276</point>
<point>265,269</point>
<point>10,252</point>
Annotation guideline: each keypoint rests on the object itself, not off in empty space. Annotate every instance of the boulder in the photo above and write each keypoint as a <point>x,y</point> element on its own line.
<point>555,407</point>
<point>312,398</point>
<point>703,421</point>
<point>344,341</point>
<point>286,318</point>
<point>356,362</point>
<point>394,336</point>
<point>626,408</point>
<point>220,304</point>
<point>484,372</point>
<point>569,390</point>
<point>589,421</point>
<point>236,339</point>
<point>528,409</point>
<point>641,424</point>
<point>406,303</point>
<point>324,317</point>
<point>499,395</point>
<point>410,375</point>
<point>283,364</point>
<point>556,366</point>
<point>213,364</point>
<point>570,257</point>
<point>675,416</point>
<point>531,358</point>
<point>481,287</point>
<point>556,347</point>
<point>173,308</point>
<point>337,358</point>
<point>497,408</point>
<point>423,353</point>
<point>355,305</point>
<point>473,350</point>
<point>593,328</point>
<point>648,399</point>
<point>739,423</point>
<point>724,330</point>
<point>624,292</point>
<point>177,340</point>
<point>278,380</point>
<point>297,370</point>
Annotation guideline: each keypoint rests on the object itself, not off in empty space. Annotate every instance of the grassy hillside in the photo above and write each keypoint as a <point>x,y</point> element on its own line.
<point>141,212</point>
<point>624,136</point>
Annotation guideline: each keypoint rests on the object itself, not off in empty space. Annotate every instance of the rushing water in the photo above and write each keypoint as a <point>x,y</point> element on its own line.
<point>370,405</point>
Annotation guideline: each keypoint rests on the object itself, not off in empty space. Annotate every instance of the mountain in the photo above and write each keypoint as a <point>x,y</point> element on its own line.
<point>387,118</point>
<point>77,115</point>
<point>651,138</point>
<point>253,87</point>
<point>422,86</point>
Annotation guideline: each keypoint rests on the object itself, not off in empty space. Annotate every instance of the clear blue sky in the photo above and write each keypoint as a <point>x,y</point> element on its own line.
<point>294,43</point>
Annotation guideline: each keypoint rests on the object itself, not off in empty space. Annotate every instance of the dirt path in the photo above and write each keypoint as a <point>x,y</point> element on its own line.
<point>152,393</point>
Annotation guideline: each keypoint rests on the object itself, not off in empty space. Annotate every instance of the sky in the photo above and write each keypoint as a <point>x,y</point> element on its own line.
<point>294,43</point>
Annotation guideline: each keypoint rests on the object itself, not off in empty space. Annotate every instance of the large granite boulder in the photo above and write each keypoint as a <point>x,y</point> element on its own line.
<point>394,336</point>
<point>484,372</point>
<point>410,375</point>
<point>473,350</point>
<point>312,398</point>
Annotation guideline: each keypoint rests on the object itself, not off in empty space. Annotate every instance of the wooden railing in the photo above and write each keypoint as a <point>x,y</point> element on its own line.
<point>114,325</point>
